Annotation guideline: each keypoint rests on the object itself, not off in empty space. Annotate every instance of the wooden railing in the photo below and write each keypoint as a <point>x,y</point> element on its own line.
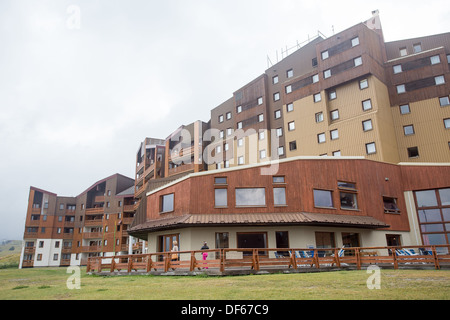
<point>263,258</point>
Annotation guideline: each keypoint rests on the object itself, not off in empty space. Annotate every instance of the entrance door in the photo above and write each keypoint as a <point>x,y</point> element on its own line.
<point>282,240</point>
<point>350,240</point>
<point>252,240</point>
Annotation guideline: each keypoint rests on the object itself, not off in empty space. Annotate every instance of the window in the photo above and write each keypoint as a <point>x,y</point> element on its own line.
<point>448,58</point>
<point>332,95</point>
<point>323,198</point>
<point>229,131</point>
<point>240,142</point>
<point>444,101</point>
<point>334,134</point>
<point>363,84</point>
<point>221,118</point>
<point>336,153</point>
<point>226,164</point>
<point>220,197</point>
<point>293,145</point>
<point>241,160</point>
<point>262,154</point>
<point>357,61</point>
<point>367,105</point>
<point>370,148</point>
<point>239,126</point>
<point>291,126</point>
<point>290,107</point>
<point>447,123</point>
<point>277,114</point>
<point>276,96</point>
<point>317,97</point>
<point>314,62</point>
<point>260,101</point>
<point>278,179</point>
<point>290,73</point>
<point>435,59</point>
<point>166,203</point>
<point>390,205</point>
<point>404,109</point>
<point>55,257</point>
<point>408,130</point>
<point>319,117</point>
<point>403,52</point>
<point>417,48</point>
<point>347,195</point>
<point>413,152</point>
<point>327,74</point>
<point>401,88</point>
<point>321,137</point>
<point>325,55</point>
<point>260,117</point>
<point>275,79</point>
<point>315,78</point>
<point>261,135</point>
<point>228,115</point>
<point>61,206</point>
<point>355,41</point>
<point>218,149</point>
<point>397,68</point>
<point>279,196</point>
<point>238,109</point>
<point>288,89</point>
<point>279,132</point>
<point>367,125</point>
<point>250,197</point>
<point>280,151</point>
<point>439,80</point>
<point>334,115</point>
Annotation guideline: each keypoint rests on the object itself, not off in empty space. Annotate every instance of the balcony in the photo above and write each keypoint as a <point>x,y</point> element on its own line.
<point>92,235</point>
<point>184,153</point>
<point>181,168</point>
<point>128,220</point>
<point>128,208</point>
<point>94,211</point>
<point>29,250</point>
<point>93,222</point>
<point>91,248</point>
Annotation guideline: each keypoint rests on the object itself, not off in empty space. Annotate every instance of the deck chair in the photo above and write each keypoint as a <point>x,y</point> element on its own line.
<point>278,255</point>
<point>400,252</point>
<point>410,252</point>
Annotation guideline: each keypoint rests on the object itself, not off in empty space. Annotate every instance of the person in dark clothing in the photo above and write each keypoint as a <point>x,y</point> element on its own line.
<point>205,254</point>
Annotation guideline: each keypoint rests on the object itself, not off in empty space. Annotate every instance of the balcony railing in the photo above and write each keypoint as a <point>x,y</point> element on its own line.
<point>128,208</point>
<point>257,259</point>
<point>94,211</point>
<point>181,168</point>
<point>93,222</point>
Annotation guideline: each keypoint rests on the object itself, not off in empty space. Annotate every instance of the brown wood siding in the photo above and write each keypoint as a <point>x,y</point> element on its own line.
<point>373,180</point>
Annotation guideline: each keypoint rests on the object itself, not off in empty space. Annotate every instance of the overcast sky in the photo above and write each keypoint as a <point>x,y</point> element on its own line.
<point>83,82</point>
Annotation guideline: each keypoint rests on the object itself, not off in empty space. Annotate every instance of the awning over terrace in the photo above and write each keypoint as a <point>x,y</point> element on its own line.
<point>255,219</point>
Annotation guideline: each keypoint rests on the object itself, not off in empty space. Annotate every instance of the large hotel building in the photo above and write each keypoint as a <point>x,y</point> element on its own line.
<point>346,141</point>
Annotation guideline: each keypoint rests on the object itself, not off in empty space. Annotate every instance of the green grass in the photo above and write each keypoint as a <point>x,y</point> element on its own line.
<point>50,283</point>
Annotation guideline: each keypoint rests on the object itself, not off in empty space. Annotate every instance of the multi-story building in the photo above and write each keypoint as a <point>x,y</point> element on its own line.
<point>371,104</point>
<point>351,94</point>
<point>184,149</point>
<point>309,202</point>
<point>62,231</point>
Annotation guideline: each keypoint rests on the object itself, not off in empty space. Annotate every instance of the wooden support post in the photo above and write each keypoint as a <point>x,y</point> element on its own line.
<point>130,264</point>
<point>166,262</point>
<point>113,264</point>
<point>222,260</point>
<point>394,255</point>
<point>193,261</point>
<point>358,259</point>
<point>336,258</point>
<point>293,260</point>
<point>316,258</point>
<point>435,258</point>
<point>149,263</point>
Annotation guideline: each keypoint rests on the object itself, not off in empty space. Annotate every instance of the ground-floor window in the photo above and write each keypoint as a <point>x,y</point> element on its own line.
<point>252,240</point>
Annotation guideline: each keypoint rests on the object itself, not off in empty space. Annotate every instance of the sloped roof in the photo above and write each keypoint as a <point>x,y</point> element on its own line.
<point>256,219</point>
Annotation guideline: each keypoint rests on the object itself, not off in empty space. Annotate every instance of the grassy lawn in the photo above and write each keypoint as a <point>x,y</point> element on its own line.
<point>50,283</point>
